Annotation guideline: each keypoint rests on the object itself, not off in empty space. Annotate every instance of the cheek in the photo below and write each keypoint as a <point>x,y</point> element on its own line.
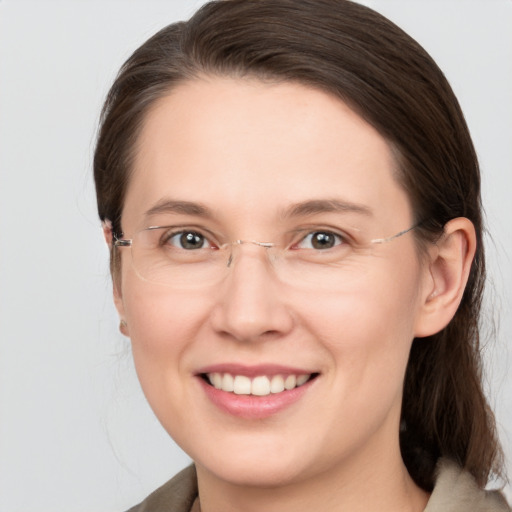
<point>162,327</point>
<point>159,318</point>
<point>367,330</point>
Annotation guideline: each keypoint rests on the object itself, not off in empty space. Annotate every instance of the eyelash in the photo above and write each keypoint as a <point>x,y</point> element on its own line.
<point>169,235</point>
<point>339,239</point>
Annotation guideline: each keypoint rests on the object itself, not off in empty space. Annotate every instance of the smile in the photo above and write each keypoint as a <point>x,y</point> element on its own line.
<point>261,385</point>
<point>255,392</point>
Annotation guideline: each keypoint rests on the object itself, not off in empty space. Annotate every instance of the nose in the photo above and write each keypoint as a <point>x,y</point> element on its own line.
<point>250,305</point>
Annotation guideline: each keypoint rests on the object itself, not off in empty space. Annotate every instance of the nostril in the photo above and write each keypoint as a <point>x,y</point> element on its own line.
<point>271,333</point>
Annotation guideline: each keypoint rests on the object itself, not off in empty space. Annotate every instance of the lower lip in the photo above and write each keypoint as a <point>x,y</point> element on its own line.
<point>251,406</point>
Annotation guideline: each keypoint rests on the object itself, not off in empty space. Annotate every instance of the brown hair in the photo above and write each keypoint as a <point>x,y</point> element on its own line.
<point>368,62</point>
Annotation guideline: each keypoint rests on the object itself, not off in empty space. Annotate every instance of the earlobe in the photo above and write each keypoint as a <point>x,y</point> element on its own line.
<point>106,225</point>
<point>448,273</point>
<point>123,327</point>
<point>118,299</point>
<point>118,302</point>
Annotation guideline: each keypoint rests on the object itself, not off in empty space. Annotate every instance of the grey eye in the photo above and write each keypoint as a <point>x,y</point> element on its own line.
<point>189,240</point>
<point>320,240</point>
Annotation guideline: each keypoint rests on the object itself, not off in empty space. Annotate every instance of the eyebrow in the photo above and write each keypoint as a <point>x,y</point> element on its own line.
<point>315,206</point>
<point>183,207</point>
<point>304,208</point>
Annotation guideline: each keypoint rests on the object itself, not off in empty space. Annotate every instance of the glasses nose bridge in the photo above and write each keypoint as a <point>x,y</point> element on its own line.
<point>266,245</point>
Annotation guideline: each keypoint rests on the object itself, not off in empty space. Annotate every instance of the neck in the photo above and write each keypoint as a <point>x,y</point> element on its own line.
<point>379,484</point>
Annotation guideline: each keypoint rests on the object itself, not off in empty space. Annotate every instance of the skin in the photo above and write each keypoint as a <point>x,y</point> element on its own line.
<point>249,151</point>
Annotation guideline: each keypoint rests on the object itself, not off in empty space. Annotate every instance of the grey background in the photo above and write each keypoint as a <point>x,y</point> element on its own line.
<point>75,432</point>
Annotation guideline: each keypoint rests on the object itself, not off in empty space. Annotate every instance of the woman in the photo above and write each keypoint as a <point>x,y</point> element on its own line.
<point>291,198</point>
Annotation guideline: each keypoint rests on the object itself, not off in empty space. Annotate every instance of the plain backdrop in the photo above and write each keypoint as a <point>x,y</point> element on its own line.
<point>75,432</point>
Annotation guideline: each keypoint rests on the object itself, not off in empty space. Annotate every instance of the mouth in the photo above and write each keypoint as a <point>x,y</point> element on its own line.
<point>259,385</point>
<point>256,391</point>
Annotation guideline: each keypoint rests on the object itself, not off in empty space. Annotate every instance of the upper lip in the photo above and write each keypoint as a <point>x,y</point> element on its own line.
<point>253,370</point>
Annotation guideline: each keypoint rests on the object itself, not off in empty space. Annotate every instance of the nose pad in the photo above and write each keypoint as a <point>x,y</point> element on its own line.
<point>250,305</point>
<point>266,245</point>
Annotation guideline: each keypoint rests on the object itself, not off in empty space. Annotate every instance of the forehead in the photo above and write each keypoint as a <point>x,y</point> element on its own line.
<point>252,147</point>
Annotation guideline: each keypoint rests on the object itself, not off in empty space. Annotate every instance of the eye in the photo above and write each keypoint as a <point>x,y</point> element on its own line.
<point>320,240</point>
<point>188,240</point>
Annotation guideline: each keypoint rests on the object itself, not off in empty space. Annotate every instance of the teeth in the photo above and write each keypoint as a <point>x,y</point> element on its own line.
<point>302,379</point>
<point>216,380</point>
<point>242,385</point>
<point>228,382</point>
<point>259,386</point>
<point>290,382</point>
<point>277,384</point>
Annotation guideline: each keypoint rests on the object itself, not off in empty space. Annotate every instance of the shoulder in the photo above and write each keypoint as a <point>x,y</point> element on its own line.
<point>456,491</point>
<point>177,495</point>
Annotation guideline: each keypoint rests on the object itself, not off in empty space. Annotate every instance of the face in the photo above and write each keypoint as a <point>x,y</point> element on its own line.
<point>239,159</point>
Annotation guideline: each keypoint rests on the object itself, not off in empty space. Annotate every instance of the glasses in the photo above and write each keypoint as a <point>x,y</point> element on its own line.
<point>183,258</point>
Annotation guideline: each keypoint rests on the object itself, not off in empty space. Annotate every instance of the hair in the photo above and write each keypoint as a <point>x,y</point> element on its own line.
<point>357,55</point>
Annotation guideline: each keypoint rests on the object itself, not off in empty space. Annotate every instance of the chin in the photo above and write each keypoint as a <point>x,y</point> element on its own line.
<point>257,461</point>
<point>271,474</point>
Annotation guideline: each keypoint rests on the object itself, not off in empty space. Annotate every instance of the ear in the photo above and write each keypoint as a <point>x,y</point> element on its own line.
<point>118,298</point>
<point>119,304</point>
<point>106,225</point>
<point>450,263</point>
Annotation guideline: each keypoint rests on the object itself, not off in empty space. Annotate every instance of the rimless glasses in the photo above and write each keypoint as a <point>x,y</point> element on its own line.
<point>186,257</point>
